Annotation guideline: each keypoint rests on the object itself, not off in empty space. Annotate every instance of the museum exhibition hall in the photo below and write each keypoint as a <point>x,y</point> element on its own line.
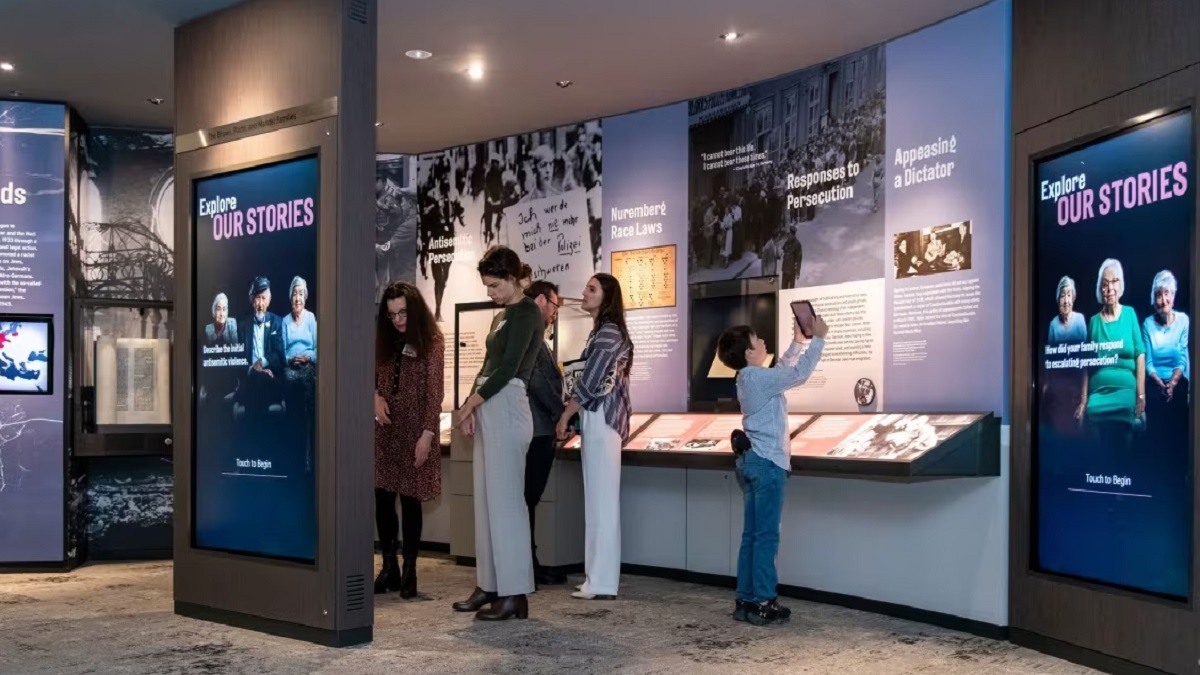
<point>810,337</point>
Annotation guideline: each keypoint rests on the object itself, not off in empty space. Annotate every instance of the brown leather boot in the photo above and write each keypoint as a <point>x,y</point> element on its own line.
<point>476,602</point>
<point>506,608</point>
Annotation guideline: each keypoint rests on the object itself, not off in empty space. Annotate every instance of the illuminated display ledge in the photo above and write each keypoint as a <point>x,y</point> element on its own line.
<point>894,539</point>
<point>908,447</point>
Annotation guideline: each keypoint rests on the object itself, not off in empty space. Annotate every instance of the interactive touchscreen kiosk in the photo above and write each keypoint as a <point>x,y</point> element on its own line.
<point>1113,407</point>
<point>256,363</point>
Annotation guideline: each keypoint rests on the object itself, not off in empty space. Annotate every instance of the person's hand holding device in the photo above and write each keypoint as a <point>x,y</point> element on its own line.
<point>808,324</point>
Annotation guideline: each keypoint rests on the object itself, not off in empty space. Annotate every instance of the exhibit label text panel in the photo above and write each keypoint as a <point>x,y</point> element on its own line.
<point>645,247</point>
<point>255,365</point>
<point>1113,233</point>
<point>32,252</point>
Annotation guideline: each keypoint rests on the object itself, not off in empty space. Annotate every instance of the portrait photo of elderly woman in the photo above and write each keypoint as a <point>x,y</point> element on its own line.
<point>1062,388</point>
<point>300,352</point>
<point>224,328</point>
<point>1114,396</point>
<point>1165,333</point>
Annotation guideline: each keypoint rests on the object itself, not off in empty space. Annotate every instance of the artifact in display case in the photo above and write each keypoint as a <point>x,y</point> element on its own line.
<point>123,349</point>
<point>668,432</point>
<point>133,381</point>
<point>714,437</point>
<point>715,307</point>
<point>895,447</point>
<point>26,354</point>
<point>900,445</point>
<point>636,422</point>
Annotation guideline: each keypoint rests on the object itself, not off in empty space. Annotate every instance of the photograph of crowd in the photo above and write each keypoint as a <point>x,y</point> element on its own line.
<point>933,250</point>
<point>462,195</point>
<point>900,437</point>
<point>395,221</point>
<point>746,221</point>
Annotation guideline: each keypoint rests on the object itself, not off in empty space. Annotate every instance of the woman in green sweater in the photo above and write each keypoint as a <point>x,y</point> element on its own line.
<point>1114,396</point>
<point>497,415</point>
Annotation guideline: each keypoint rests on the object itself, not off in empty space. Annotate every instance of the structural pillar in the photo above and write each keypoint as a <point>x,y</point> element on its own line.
<point>275,143</point>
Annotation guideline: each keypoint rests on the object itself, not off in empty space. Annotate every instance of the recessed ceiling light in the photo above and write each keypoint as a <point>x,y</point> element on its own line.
<point>563,84</point>
<point>730,36</point>
<point>475,72</point>
<point>418,54</point>
<point>154,101</point>
<point>7,67</point>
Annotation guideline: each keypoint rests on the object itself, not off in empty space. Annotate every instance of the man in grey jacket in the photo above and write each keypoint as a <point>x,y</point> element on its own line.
<point>546,404</point>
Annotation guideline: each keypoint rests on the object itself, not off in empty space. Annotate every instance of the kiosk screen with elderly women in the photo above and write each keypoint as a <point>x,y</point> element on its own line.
<point>1112,359</point>
<point>256,360</point>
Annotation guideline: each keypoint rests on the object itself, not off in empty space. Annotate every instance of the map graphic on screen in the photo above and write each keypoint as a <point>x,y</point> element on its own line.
<point>24,356</point>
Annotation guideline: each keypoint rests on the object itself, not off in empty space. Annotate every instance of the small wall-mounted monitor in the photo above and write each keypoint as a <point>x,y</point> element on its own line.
<point>26,354</point>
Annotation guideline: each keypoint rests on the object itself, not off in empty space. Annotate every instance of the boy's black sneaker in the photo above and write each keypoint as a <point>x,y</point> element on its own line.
<point>762,615</point>
<point>739,609</point>
<point>782,612</point>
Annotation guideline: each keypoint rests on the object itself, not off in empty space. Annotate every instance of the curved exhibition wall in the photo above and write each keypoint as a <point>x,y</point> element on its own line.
<point>873,185</point>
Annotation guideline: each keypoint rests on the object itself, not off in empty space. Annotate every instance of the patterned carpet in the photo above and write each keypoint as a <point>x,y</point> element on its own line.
<point>117,618</point>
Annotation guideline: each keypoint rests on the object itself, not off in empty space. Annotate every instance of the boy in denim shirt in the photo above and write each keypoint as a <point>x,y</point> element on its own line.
<point>763,470</point>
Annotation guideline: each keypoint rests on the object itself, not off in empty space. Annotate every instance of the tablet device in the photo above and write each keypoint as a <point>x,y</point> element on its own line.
<point>805,316</point>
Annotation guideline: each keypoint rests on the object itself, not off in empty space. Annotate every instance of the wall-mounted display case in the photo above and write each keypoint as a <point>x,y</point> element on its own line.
<point>122,379</point>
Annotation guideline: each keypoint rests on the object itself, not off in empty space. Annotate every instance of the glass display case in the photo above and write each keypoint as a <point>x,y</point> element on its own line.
<point>905,447</point>
<point>121,377</point>
<point>472,324</point>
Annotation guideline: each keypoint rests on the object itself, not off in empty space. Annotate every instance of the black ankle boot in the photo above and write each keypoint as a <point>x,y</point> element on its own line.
<point>478,600</point>
<point>389,577</point>
<point>408,579</point>
<point>506,608</point>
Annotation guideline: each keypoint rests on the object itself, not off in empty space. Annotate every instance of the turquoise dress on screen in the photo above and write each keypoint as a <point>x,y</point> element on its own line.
<point>1112,390</point>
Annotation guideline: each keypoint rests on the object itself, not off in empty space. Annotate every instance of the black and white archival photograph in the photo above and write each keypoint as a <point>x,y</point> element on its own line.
<point>900,437</point>
<point>538,193</point>
<point>933,250</point>
<point>395,220</point>
<point>125,244</point>
<point>787,176</point>
<point>130,508</point>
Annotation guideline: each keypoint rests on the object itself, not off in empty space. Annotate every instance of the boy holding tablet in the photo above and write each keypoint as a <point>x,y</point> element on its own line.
<point>763,468</point>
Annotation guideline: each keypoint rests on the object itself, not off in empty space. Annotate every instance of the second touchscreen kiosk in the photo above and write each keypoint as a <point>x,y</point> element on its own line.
<point>255,369</point>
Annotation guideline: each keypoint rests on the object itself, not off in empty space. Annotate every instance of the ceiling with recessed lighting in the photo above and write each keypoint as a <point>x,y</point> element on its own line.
<point>495,66</point>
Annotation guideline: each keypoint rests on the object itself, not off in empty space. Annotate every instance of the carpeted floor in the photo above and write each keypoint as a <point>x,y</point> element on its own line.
<point>117,619</point>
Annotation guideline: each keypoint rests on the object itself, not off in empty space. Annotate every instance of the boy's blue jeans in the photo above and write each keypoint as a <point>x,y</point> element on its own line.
<point>763,485</point>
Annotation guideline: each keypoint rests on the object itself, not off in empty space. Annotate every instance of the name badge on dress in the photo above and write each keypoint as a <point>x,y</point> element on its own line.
<point>409,351</point>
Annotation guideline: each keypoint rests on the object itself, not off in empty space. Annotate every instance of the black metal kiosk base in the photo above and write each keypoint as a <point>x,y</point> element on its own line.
<point>294,631</point>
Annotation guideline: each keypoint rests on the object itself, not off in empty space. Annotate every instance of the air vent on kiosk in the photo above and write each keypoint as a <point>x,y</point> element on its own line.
<point>356,592</point>
<point>358,11</point>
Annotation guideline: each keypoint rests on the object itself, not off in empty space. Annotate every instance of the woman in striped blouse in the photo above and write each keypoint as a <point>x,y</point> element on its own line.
<point>600,395</point>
